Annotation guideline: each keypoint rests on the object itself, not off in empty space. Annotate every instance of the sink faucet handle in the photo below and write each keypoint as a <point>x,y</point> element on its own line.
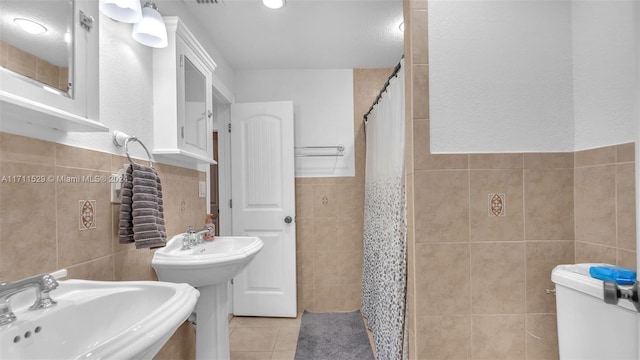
<point>43,284</point>
<point>186,240</point>
<point>48,283</point>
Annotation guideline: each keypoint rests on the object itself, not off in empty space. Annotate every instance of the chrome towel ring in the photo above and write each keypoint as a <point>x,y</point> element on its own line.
<point>121,139</point>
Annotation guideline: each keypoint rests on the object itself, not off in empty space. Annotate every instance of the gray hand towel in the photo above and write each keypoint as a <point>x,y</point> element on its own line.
<point>141,213</point>
<point>125,228</point>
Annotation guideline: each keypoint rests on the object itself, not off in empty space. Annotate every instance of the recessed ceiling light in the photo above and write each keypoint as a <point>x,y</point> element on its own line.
<point>30,26</point>
<point>401,27</point>
<point>273,4</point>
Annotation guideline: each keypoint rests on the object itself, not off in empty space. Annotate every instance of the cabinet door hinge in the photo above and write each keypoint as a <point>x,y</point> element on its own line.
<point>229,127</point>
<point>181,60</point>
<point>231,281</point>
<point>182,131</point>
<point>231,203</point>
<point>86,21</point>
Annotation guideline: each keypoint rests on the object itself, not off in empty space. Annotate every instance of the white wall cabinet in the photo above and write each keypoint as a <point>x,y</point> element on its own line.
<point>182,96</point>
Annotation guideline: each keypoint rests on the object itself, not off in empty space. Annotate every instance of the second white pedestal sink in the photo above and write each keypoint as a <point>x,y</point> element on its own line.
<point>208,267</point>
<point>97,320</point>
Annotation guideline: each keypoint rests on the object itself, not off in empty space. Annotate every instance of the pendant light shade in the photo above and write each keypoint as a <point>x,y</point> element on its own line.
<point>150,30</point>
<point>127,11</point>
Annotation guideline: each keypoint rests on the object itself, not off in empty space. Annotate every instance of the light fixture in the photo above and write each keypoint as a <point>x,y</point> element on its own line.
<point>30,26</point>
<point>401,27</point>
<point>273,4</point>
<point>127,11</point>
<point>150,30</point>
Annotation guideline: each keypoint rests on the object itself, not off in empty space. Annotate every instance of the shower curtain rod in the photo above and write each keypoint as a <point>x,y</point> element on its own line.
<point>384,88</point>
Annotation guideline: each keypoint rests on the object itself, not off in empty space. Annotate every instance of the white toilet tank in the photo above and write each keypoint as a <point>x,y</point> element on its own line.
<point>588,328</point>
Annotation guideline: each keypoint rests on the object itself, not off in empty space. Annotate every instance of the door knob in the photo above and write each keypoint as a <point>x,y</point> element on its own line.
<point>288,219</point>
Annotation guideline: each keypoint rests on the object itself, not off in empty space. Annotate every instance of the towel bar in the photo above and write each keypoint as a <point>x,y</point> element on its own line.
<point>339,151</point>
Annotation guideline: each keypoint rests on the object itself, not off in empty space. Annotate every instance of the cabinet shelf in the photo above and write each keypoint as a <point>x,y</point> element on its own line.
<point>181,156</point>
<point>17,111</point>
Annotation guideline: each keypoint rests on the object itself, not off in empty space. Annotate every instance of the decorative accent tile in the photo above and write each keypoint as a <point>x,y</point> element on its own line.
<point>87,214</point>
<point>497,204</point>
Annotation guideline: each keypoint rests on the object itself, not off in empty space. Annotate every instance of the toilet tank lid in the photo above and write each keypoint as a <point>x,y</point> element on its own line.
<point>576,277</point>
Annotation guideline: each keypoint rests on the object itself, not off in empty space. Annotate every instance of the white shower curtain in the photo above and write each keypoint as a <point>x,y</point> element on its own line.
<point>384,270</point>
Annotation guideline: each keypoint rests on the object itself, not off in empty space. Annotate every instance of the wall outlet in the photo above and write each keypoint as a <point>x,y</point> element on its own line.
<point>116,187</point>
<point>202,189</point>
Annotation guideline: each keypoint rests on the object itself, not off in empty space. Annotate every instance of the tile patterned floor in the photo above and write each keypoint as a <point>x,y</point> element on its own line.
<point>261,338</point>
<point>258,338</point>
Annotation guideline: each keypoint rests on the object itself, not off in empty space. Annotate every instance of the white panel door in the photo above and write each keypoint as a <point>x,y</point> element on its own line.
<point>263,188</point>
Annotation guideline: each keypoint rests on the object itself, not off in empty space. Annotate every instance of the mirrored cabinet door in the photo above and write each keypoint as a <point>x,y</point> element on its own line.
<point>36,42</point>
<point>49,64</point>
<point>195,105</point>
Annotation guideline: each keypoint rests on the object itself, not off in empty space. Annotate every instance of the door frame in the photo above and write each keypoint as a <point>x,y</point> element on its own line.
<point>222,100</point>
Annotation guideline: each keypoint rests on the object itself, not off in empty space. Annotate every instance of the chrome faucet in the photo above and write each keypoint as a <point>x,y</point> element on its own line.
<point>195,237</point>
<point>43,283</point>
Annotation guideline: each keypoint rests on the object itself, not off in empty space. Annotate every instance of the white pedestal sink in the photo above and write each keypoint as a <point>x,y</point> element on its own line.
<point>208,267</point>
<point>97,320</point>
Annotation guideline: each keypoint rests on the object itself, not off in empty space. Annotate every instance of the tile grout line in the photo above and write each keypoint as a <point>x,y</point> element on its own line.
<point>470,294</point>
<point>615,201</point>
<point>524,238</point>
<point>55,201</point>
<point>575,243</point>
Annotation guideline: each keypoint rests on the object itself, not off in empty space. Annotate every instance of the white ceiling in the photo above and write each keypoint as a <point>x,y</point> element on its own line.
<point>304,34</point>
